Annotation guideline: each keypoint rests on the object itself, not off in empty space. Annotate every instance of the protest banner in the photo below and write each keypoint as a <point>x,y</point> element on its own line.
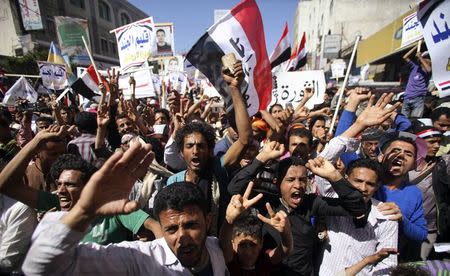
<point>436,33</point>
<point>164,41</point>
<point>289,87</point>
<point>240,32</point>
<point>412,30</point>
<point>144,83</point>
<point>21,89</point>
<point>135,42</point>
<point>176,80</point>
<point>70,32</point>
<point>173,64</point>
<point>53,75</point>
<point>31,15</point>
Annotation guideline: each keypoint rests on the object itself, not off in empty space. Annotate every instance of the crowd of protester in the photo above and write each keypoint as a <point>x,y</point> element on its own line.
<point>126,187</point>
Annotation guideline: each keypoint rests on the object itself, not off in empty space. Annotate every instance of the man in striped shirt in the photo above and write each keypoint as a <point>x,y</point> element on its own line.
<point>351,248</point>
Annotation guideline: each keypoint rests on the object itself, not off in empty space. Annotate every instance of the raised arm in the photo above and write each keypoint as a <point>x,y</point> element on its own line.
<point>244,128</point>
<point>12,181</point>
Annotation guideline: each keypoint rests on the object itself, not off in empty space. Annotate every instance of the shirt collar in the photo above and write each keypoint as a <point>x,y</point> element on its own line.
<point>170,258</point>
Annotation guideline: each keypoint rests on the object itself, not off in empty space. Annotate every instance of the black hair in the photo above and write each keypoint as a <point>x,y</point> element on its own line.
<point>45,119</point>
<point>285,164</point>
<point>179,195</point>
<point>270,108</point>
<point>5,118</point>
<point>364,163</point>
<point>200,127</point>
<point>160,30</point>
<point>438,112</point>
<point>72,162</point>
<point>86,122</point>
<point>404,139</point>
<point>408,270</point>
<point>248,225</point>
<point>164,111</point>
<point>315,119</point>
<point>302,132</point>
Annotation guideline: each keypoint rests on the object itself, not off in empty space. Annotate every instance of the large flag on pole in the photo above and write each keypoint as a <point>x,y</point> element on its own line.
<point>240,32</point>
<point>282,51</point>
<point>298,57</point>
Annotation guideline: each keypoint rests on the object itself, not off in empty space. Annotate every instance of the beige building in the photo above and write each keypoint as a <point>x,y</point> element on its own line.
<point>343,20</point>
<point>102,16</point>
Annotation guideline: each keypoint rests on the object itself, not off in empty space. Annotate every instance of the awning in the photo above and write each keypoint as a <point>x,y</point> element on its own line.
<point>383,43</point>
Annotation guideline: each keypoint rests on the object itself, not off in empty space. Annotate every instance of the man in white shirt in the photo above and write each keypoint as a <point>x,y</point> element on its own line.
<point>17,223</point>
<point>368,249</point>
<point>181,210</point>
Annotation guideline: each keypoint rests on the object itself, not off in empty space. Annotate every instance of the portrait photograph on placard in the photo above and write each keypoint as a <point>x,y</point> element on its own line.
<point>164,39</point>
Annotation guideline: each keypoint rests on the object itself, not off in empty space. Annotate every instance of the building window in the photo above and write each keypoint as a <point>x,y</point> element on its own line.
<point>124,19</point>
<point>113,47</point>
<point>104,45</point>
<point>50,27</point>
<point>104,10</point>
<point>77,3</point>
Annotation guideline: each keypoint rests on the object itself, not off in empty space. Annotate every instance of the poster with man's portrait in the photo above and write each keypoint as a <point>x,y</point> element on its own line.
<point>164,39</point>
<point>173,64</point>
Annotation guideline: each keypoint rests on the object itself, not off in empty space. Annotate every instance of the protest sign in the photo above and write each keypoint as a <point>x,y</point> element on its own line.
<point>135,42</point>
<point>21,89</point>
<point>70,32</point>
<point>31,15</point>
<point>289,87</point>
<point>412,30</point>
<point>144,84</point>
<point>337,68</point>
<point>176,80</point>
<point>164,41</point>
<point>53,75</point>
<point>436,33</point>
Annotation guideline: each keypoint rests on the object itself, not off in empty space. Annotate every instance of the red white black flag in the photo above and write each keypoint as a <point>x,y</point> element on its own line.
<point>282,51</point>
<point>298,57</point>
<point>240,32</point>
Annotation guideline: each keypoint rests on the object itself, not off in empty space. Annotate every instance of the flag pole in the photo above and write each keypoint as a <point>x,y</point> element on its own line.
<point>344,84</point>
<point>92,60</point>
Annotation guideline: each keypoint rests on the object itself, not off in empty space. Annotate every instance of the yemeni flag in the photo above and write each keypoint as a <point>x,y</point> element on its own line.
<point>282,51</point>
<point>298,57</point>
<point>240,32</point>
<point>87,83</point>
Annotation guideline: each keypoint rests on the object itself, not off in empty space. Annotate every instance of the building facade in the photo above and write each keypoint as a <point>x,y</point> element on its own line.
<point>102,16</point>
<point>333,25</point>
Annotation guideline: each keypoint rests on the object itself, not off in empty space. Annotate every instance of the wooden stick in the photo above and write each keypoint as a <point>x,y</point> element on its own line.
<point>20,75</point>
<point>419,46</point>
<point>92,60</point>
<point>344,84</point>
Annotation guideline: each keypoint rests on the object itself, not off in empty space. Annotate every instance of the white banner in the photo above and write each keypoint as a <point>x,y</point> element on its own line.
<point>176,80</point>
<point>135,42</point>
<point>144,84</point>
<point>21,89</point>
<point>53,75</point>
<point>31,15</point>
<point>412,30</point>
<point>289,87</point>
<point>436,33</point>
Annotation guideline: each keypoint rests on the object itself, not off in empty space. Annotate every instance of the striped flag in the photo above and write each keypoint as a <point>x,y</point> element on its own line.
<point>87,83</point>
<point>282,51</point>
<point>55,56</point>
<point>298,57</point>
<point>240,32</point>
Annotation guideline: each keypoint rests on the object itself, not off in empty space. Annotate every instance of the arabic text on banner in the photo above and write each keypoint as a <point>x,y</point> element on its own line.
<point>69,31</point>
<point>135,42</point>
<point>53,75</point>
<point>436,32</point>
<point>412,30</point>
<point>289,87</point>
<point>31,15</point>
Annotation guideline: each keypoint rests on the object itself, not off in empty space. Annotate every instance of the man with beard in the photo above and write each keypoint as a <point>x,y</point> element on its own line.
<point>180,208</point>
<point>399,151</point>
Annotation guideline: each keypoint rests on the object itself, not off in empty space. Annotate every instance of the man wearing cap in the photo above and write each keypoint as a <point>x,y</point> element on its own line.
<point>417,86</point>
<point>432,178</point>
